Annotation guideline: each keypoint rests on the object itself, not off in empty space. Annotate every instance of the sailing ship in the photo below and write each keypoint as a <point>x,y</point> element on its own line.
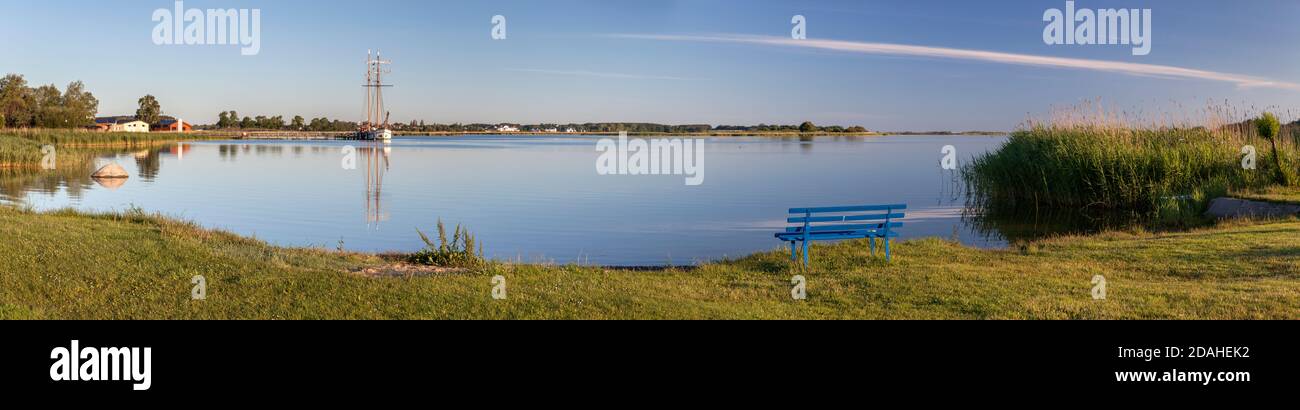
<point>372,129</point>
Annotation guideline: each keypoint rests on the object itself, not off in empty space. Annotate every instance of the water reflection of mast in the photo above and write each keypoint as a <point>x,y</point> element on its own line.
<point>376,165</point>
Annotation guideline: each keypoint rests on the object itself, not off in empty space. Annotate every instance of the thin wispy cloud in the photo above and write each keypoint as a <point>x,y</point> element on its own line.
<point>585,73</point>
<point>1119,67</point>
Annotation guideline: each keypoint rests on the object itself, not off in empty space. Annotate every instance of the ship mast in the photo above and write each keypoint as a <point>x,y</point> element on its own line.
<point>374,90</point>
<point>365,125</point>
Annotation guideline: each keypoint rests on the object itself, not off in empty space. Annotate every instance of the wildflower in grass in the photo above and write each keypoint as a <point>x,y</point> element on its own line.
<point>461,251</point>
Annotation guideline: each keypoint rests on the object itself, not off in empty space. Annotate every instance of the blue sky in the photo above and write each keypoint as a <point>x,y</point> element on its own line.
<point>699,61</point>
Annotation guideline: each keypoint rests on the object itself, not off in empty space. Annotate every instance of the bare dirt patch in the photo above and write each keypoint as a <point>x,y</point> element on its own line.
<point>405,270</point>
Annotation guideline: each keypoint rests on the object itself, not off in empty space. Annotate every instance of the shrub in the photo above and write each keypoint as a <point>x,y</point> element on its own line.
<point>1268,127</point>
<point>461,251</point>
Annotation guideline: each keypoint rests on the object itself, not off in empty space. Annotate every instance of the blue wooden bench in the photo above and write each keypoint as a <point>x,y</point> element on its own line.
<point>842,222</point>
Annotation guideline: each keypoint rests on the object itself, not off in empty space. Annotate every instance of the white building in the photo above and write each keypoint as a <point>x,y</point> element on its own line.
<point>507,128</point>
<point>121,124</point>
<point>133,126</point>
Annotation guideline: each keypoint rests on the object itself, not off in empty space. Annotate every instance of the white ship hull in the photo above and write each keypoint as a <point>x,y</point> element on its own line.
<point>383,134</point>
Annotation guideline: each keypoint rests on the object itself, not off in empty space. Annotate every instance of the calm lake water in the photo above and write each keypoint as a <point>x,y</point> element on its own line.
<point>529,198</point>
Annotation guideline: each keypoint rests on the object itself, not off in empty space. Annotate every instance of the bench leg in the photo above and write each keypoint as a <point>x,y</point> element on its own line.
<point>792,252</point>
<point>886,249</point>
<point>805,254</point>
<point>873,246</point>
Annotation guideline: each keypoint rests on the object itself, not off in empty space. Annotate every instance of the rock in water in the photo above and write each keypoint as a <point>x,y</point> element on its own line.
<point>110,171</point>
<point>112,184</point>
<point>1238,208</point>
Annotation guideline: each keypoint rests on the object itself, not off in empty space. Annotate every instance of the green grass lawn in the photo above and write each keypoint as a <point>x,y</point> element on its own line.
<point>1274,194</point>
<point>65,265</point>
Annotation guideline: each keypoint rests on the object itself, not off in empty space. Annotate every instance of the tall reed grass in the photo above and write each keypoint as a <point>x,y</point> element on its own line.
<point>21,148</point>
<point>15,152</point>
<point>1085,157</point>
<point>76,137</point>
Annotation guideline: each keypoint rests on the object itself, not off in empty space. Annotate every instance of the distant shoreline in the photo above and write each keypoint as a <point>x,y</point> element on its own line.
<point>309,135</point>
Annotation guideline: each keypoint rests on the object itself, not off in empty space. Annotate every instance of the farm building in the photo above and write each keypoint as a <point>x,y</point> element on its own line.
<point>169,124</point>
<point>121,124</point>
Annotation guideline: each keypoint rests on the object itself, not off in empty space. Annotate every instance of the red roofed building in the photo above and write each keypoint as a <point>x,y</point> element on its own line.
<point>168,124</point>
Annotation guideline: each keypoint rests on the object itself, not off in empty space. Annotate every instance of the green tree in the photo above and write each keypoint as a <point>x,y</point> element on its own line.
<point>807,126</point>
<point>297,123</point>
<point>48,108</point>
<point>246,123</point>
<point>223,120</point>
<point>319,124</point>
<point>15,101</point>
<point>1268,127</point>
<point>149,110</point>
<point>80,105</point>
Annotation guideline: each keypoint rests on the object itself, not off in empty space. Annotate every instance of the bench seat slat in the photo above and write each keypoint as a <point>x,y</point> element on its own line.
<point>874,217</point>
<point>859,208</point>
<point>832,228</point>
<point>844,218</point>
<point>816,236</point>
<point>814,219</point>
<point>855,227</point>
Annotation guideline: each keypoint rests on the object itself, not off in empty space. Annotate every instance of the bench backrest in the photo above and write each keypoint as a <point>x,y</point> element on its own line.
<point>846,218</point>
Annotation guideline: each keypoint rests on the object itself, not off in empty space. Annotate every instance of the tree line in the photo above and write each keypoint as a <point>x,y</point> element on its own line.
<point>22,106</point>
<point>806,126</point>
<point>232,120</point>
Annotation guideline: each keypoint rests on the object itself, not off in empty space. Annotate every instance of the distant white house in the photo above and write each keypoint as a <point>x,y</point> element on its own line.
<point>121,124</point>
<point>507,128</point>
<point>570,130</point>
<point>133,126</point>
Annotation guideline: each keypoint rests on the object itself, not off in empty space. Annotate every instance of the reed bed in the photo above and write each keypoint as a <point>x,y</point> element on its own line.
<point>74,137</point>
<point>16,152</point>
<point>22,148</point>
<point>1086,157</point>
